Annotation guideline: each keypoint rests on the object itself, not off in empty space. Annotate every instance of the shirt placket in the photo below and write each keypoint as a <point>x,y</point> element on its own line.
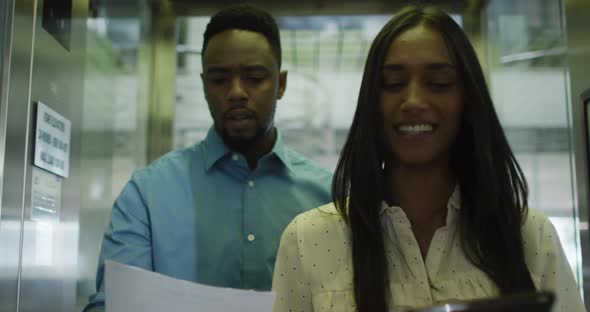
<point>250,235</point>
<point>410,250</point>
<point>436,252</point>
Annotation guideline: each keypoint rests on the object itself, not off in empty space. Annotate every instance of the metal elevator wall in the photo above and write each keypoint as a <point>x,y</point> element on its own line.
<point>104,85</point>
<point>38,265</point>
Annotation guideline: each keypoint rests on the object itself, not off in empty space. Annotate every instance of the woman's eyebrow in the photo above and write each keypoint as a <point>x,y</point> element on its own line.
<point>392,67</point>
<point>430,66</point>
<point>441,65</point>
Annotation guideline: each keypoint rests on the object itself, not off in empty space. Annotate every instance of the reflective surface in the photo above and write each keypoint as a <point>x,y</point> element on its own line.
<point>115,86</point>
<point>3,27</point>
<point>578,61</point>
<point>527,71</point>
<point>523,48</point>
<point>114,123</point>
<point>324,57</point>
<point>49,245</point>
<point>12,134</point>
<point>38,263</point>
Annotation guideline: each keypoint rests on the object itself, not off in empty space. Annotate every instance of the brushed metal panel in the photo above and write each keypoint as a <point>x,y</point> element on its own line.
<point>6,12</point>
<point>13,122</point>
<point>50,247</point>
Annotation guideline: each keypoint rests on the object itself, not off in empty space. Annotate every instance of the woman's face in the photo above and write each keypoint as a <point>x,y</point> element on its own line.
<point>421,98</point>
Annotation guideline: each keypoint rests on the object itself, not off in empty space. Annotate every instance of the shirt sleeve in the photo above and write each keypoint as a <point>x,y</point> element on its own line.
<point>556,275</point>
<point>127,238</point>
<point>289,281</point>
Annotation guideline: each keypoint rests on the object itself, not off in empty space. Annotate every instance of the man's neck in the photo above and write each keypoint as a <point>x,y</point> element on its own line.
<point>260,148</point>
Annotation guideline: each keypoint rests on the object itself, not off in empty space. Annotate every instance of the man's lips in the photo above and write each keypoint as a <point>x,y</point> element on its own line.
<point>238,114</point>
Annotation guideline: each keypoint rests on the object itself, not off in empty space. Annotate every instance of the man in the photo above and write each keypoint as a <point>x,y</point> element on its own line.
<point>213,213</point>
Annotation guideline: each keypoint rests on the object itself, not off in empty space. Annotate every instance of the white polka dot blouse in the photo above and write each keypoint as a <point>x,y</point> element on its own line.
<point>313,269</point>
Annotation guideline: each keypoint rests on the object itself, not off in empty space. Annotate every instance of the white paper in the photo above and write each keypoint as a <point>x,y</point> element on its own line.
<point>129,289</point>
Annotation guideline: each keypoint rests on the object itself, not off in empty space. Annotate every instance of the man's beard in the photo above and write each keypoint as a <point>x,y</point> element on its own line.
<point>241,144</point>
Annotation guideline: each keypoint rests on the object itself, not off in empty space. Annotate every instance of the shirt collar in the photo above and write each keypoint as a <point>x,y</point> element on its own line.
<point>455,199</point>
<point>454,203</point>
<point>215,149</point>
<point>281,151</point>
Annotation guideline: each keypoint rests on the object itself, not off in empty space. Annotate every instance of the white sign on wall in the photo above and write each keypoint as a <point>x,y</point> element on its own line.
<point>52,141</point>
<point>45,196</point>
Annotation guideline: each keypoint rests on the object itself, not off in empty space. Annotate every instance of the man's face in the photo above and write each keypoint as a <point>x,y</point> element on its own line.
<point>242,83</point>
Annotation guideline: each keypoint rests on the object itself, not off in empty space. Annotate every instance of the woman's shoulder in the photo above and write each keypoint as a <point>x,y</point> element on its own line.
<point>322,224</point>
<point>329,209</point>
<point>326,216</point>
<point>535,224</point>
<point>540,240</point>
<point>547,262</point>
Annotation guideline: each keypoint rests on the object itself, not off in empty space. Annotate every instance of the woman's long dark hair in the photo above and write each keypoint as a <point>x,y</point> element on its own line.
<point>493,188</point>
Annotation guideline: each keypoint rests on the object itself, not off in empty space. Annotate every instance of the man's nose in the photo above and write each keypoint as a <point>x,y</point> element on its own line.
<point>237,90</point>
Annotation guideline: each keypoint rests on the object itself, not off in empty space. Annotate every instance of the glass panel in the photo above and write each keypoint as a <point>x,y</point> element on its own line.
<point>524,50</point>
<point>325,57</point>
<point>526,60</point>
<point>113,134</point>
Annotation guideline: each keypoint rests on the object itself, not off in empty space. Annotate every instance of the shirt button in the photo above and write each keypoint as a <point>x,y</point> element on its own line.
<point>251,237</point>
<point>235,157</point>
<point>251,183</point>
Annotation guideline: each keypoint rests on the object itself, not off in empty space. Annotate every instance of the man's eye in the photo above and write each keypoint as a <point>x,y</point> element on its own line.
<point>217,80</point>
<point>255,78</point>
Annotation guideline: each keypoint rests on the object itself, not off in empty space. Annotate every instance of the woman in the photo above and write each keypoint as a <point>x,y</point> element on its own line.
<point>430,204</point>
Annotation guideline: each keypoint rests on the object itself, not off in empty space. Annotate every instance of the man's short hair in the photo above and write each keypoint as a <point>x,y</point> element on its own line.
<point>245,17</point>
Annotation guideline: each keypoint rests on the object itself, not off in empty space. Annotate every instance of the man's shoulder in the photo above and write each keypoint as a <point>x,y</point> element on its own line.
<point>305,165</point>
<point>174,163</point>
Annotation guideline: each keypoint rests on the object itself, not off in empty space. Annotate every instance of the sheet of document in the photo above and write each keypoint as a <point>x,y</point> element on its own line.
<point>129,289</point>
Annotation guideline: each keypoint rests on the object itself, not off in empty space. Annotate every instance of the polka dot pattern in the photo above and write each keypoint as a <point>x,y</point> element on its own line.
<point>313,271</point>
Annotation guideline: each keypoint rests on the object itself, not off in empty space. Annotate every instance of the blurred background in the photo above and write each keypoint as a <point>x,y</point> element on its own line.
<point>126,74</point>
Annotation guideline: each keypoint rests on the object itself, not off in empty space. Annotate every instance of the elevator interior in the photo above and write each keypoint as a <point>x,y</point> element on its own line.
<point>127,77</point>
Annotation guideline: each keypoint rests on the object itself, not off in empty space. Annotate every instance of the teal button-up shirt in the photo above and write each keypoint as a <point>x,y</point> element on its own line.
<point>200,214</point>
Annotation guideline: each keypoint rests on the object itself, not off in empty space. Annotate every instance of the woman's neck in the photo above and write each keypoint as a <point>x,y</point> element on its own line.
<point>422,192</point>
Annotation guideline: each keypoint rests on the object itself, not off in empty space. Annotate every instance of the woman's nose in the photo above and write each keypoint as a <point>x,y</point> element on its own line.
<point>415,97</point>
